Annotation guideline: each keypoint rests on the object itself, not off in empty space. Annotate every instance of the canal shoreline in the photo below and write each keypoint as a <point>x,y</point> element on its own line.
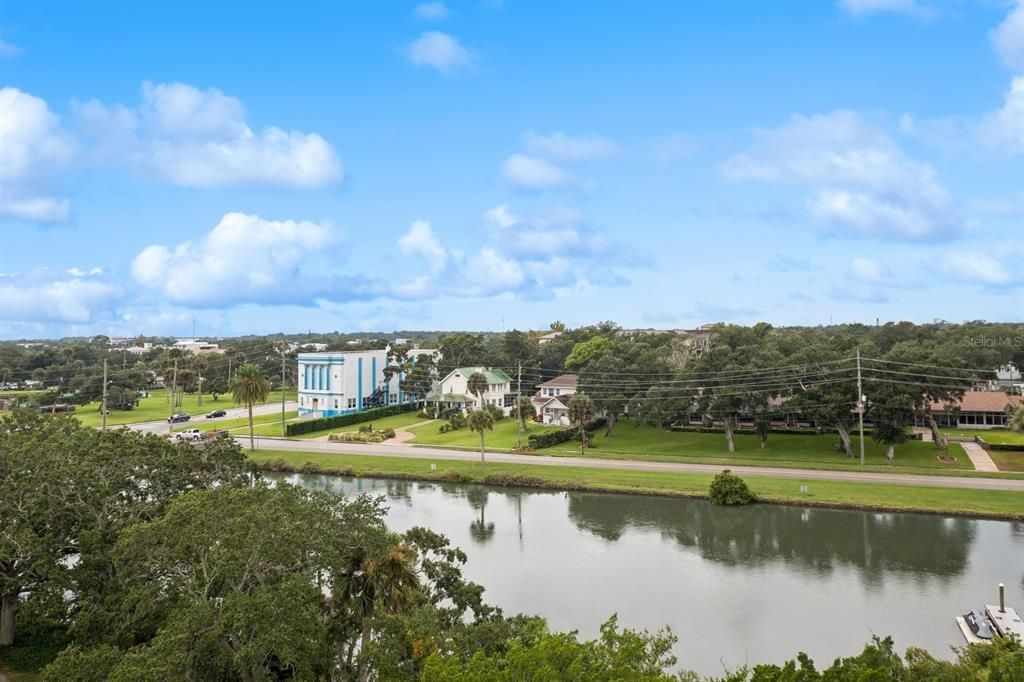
<point>837,495</point>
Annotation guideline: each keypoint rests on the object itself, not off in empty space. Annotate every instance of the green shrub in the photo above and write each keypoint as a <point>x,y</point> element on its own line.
<point>515,481</point>
<point>546,440</point>
<point>325,423</point>
<point>362,436</point>
<point>730,490</point>
<point>451,476</point>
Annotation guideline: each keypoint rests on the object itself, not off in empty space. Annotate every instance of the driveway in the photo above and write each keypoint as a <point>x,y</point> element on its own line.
<point>400,450</point>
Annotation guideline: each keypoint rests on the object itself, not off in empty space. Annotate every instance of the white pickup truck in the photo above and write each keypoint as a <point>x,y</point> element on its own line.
<point>189,434</point>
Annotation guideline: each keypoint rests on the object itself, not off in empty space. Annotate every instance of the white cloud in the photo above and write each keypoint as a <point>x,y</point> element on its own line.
<point>863,183</point>
<point>867,270</point>
<point>866,7</point>
<point>533,173</point>
<point>1008,38</point>
<point>244,259</point>
<point>35,210</point>
<point>35,146</point>
<point>420,240</point>
<point>980,268</point>
<point>200,138</point>
<point>431,11</point>
<point>489,272</point>
<point>439,51</point>
<point>9,49</point>
<point>560,147</point>
<point>501,217</point>
<point>1004,128</point>
<point>74,296</point>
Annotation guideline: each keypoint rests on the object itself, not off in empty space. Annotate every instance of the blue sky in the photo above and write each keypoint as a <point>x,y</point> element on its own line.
<point>489,165</point>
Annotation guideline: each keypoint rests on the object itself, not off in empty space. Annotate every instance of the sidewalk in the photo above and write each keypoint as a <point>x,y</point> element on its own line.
<point>979,458</point>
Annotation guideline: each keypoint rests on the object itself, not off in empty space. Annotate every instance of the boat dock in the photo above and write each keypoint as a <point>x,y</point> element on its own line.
<point>1006,620</point>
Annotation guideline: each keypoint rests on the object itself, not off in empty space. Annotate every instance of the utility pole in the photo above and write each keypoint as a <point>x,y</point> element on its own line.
<point>519,411</point>
<point>860,408</point>
<point>103,406</point>
<point>174,395</point>
<point>283,429</point>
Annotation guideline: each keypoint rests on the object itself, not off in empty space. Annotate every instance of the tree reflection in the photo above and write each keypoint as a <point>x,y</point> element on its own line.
<point>817,540</point>
<point>480,529</point>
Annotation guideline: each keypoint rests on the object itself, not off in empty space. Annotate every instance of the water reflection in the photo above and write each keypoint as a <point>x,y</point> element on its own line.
<point>816,540</point>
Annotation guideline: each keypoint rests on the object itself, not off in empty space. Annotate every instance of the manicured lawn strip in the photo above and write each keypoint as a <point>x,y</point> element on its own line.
<point>1007,460</point>
<point>502,438</point>
<point>783,449</point>
<point>998,504</point>
<point>157,407</point>
<point>1008,437</point>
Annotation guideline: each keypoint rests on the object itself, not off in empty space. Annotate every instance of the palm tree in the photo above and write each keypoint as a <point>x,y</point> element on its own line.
<point>581,410</point>
<point>480,421</point>
<point>372,580</point>
<point>523,407</point>
<point>477,384</point>
<point>1016,420</point>
<point>250,386</point>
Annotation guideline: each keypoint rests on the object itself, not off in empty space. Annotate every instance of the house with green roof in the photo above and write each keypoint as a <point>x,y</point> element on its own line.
<point>452,392</point>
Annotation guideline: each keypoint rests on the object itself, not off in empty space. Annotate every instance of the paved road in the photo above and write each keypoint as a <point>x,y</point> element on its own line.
<point>232,413</point>
<point>397,450</point>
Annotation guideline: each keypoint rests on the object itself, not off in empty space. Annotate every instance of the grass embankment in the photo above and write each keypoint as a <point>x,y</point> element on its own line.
<point>396,421</point>
<point>157,407</point>
<point>1007,461</point>
<point>993,504</point>
<point>503,437</point>
<point>807,451</point>
<point>653,444</point>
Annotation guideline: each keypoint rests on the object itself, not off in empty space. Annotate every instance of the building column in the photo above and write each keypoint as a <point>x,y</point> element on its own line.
<point>373,374</point>
<point>359,385</point>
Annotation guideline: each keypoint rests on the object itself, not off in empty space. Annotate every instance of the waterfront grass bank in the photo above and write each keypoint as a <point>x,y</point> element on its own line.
<point>844,495</point>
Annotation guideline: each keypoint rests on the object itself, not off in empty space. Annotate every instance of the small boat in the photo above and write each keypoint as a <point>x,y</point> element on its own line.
<point>979,624</point>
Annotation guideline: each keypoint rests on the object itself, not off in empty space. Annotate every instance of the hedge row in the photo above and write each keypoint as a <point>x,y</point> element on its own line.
<point>546,440</point>
<point>324,423</point>
<point>1007,447</point>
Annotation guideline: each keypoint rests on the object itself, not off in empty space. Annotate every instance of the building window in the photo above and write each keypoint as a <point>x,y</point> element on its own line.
<point>335,403</point>
<point>351,403</point>
<point>394,399</point>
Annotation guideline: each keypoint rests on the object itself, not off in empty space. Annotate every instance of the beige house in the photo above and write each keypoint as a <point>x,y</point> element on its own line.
<point>977,410</point>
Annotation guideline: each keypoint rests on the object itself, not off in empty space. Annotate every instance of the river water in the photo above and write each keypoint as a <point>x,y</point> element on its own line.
<point>755,584</point>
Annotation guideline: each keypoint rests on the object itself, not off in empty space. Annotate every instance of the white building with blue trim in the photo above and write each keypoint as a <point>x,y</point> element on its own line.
<point>332,383</point>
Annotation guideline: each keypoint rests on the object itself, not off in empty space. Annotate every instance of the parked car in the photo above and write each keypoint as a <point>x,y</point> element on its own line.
<point>189,434</point>
<point>179,417</point>
<point>216,413</point>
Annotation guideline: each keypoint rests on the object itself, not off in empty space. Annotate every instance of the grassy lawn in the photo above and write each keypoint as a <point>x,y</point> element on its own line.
<point>1007,461</point>
<point>396,421</point>
<point>631,441</point>
<point>157,407</point>
<point>1002,504</point>
<point>502,438</point>
<point>1008,437</point>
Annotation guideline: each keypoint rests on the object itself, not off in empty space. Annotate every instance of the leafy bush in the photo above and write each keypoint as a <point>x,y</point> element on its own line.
<point>515,481</point>
<point>546,440</point>
<point>451,476</point>
<point>362,436</point>
<point>325,423</point>
<point>496,412</point>
<point>731,490</point>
